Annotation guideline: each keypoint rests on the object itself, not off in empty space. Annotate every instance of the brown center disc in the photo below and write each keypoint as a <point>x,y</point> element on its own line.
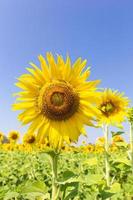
<point>59,102</point>
<point>30,139</point>
<point>108,108</point>
<point>14,136</point>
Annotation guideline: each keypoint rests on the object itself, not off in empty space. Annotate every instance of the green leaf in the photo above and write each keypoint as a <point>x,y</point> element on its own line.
<point>36,186</point>
<point>121,144</point>
<point>37,196</point>
<point>9,195</point>
<point>92,179</point>
<point>128,187</point>
<point>115,188</point>
<point>123,160</point>
<point>3,191</point>
<point>68,174</point>
<point>69,181</point>
<point>91,161</point>
<point>116,133</point>
<point>106,195</point>
<point>72,194</point>
<point>68,177</point>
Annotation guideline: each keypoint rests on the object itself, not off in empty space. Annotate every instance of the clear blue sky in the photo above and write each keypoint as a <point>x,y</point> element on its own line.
<point>99,30</point>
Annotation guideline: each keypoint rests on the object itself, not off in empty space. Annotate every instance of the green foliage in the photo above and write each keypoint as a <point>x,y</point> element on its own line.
<point>130,115</point>
<point>27,176</point>
<point>117,133</point>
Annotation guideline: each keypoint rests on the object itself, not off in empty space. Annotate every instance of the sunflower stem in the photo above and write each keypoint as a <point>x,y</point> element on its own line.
<point>106,147</point>
<point>54,162</point>
<point>131,144</point>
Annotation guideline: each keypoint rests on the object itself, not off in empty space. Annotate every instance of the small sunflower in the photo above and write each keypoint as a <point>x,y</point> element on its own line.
<point>117,138</point>
<point>29,138</point>
<point>89,148</point>
<point>1,137</point>
<point>113,107</point>
<point>113,148</point>
<point>99,149</point>
<point>56,99</point>
<point>13,136</point>
<point>100,141</point>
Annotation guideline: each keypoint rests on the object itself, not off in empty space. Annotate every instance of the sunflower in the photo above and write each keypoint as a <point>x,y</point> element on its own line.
<point>56,99</point>
<point>99,149</point>
<point>113,107</point>
<point>8,147</point>
<point>89,148</point>
<point>1,137</point>
<point>13,136</point>
<point>100,141</point>
<point>29,138</point>
<point>117,138</point>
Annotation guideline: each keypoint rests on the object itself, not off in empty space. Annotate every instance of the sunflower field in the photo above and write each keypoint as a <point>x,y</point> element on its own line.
<point>56,101</point>
<point>25,172</point>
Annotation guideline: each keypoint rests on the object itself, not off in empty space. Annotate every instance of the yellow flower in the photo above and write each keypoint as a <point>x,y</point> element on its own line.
<point>13,136</point>
<point>83,142</point>
<point>8,147</point>
<point>89,148</point>
<point>113,148</point>
<point>57,100</point>
<point>99,149</point>
<point>29,138</point>
<point>100,141</point>
<point>1,137</point>
<point>117,138</point>
<point>113,107</point>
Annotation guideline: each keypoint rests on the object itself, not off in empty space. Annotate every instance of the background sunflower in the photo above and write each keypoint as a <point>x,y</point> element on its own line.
<point>29,138</point>
<point>113,107</point>
<point>13,136</point>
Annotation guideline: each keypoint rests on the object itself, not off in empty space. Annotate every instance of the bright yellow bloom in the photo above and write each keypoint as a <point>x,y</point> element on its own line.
<point>88,148</point>
<point>100,141</point>
<point>1,137</point>
<point>8,147</point>
<point>57,100</point>
<point>13,136</point>
<point>113,107</point>
<point>117,138</point>
<point>113,148</point>
<point>99,149</point>
<point>29,138</point>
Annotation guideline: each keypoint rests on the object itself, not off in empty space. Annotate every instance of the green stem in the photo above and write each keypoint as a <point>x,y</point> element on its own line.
<point>54,176</point>
<point>106,146</point>
<point>131,144</point>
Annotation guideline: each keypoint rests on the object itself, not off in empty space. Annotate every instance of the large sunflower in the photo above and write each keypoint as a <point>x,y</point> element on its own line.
<point>113,107</point>
<point>56,99</point>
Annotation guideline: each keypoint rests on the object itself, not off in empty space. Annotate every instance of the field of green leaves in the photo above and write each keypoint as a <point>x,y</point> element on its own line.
<point>81,176</point>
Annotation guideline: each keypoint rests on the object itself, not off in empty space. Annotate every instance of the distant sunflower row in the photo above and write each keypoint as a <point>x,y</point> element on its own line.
<point>14,136</point>
<point>10,143</point>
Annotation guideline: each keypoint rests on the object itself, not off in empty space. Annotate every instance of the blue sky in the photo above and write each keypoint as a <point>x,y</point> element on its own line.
<point>100,31</point>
